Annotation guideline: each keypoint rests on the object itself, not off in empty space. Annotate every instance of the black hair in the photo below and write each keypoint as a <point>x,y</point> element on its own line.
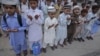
<point>89,2</point>
<point>33,0</point>
<point>74,4</point>
<point>84,11</point>
<point>83,4</point>
<point>95,7</point>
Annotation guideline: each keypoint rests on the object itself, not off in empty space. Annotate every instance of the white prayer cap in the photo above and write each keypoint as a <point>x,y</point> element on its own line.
<point>51,9</point>
<point>67,6</point>
<point>77,6</point>
<point>10,2</point>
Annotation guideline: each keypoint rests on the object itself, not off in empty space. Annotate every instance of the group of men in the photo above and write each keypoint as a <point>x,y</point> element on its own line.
<point>48,23</point>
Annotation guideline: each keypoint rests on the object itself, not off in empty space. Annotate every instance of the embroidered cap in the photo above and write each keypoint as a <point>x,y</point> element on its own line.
<point>10,2</point>
<point>51,9</point>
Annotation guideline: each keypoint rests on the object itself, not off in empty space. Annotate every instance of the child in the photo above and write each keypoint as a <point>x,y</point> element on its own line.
<point>72,28</point>
<point>63,21</point>
<point>10,23</point>
<point>91,17</point>
<point>35,21</point>
<point>49,29</point>
<point>83,19</point>
<point>76,12</point>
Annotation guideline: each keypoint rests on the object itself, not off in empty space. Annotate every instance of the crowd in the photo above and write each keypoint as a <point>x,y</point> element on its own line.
<point>49,22</point>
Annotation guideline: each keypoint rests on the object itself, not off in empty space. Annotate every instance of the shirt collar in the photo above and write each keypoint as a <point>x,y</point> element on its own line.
<point>15,15</point>
<point>33,10</point>
<point>64,14</point>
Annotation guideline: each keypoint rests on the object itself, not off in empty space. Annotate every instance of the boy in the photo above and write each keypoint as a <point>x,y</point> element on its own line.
<point>10,23</point>
<point>95,26</point>
<point>82,25</point>
<point>49,29</point>
<point>63,21</point>
<point>72,28</point>
<point>91,17</point>
<point>35,21</point>
<point>77,21</point>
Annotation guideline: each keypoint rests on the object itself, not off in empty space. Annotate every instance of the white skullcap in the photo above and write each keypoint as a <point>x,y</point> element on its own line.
<point>51,9</point>
<point>77,7</point>
<point>10,2</point>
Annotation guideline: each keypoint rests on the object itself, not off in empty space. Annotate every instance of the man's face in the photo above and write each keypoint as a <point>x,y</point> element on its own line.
<point>9,9</point>
<point>33,4</point>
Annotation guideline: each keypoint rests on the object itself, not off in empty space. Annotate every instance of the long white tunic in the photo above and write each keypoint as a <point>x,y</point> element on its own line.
<point>49,34</point>
<point>62,26</point>
<point>89,16</point>
<point>35,26</point>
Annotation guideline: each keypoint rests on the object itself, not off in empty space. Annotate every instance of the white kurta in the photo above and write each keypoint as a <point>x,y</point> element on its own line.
<point>49,34</point>
<point>81,26</point>
<point>62,26</point>
<point>89,16</point>
<point>35,26</point>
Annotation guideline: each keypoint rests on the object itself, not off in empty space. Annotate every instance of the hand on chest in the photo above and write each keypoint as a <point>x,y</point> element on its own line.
<point>34,14</point>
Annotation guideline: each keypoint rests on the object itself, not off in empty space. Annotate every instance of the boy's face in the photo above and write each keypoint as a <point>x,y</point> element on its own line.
<point>67,11</point>
<point>95,10</point>
<point>33,4</point>
<point>76,11</point>
<point>9,9</point>
<point>84,14</point>
<point>51,14</point>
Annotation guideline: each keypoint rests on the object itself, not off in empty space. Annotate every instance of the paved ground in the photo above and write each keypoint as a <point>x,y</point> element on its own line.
<point>87,48</point>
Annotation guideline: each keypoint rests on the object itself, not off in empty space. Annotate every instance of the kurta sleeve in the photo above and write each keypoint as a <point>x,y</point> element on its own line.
<point>68,22</point>
<point>4,25</point>
<point>24,25</point>
<point>40,20</point>
<point>28,21</point>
